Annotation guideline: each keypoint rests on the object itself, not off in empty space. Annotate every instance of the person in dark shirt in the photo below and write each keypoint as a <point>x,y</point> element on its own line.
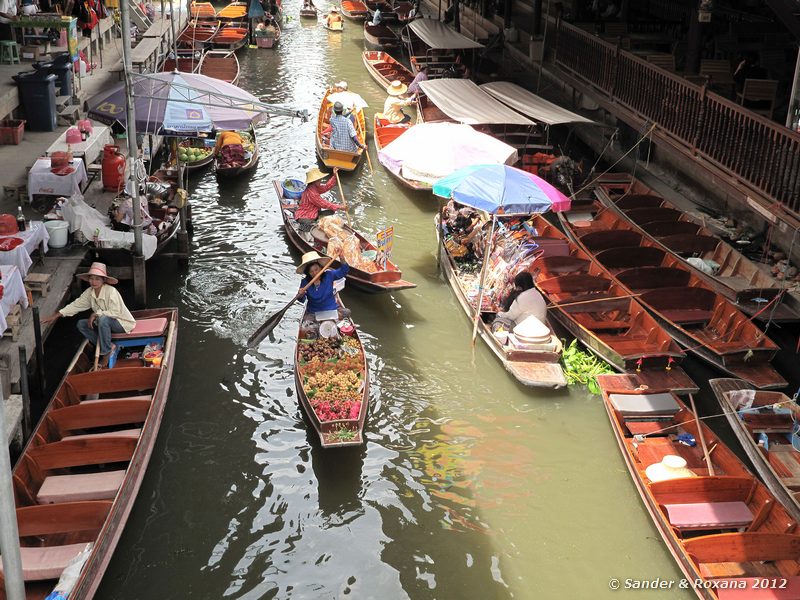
<point>748,68</point>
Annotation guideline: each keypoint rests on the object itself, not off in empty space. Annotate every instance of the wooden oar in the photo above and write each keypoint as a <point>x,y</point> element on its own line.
<point>344,200</point>
<point>700,435</point>
<point>363,129</point>
<point>270,323</point>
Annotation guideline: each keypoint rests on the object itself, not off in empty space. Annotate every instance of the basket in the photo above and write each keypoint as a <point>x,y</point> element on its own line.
<point>11,131</point>
<point>293,188</point>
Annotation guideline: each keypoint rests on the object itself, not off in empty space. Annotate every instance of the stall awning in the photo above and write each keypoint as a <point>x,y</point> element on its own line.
<point>531,105</point>
<point>464,102</point>
<point>439,36</point>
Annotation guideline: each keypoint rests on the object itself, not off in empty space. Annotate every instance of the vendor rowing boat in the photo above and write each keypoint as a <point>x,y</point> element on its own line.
<point>331,233</point>
<point>333,148</point>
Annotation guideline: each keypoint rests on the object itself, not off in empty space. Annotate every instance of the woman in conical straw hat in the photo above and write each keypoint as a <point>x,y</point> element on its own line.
<point>312,202</point>
<point>109,313</point>
<point>321,296</point>
<point>393,106</point>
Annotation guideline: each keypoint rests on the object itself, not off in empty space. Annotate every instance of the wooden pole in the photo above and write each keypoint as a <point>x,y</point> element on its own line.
<point>37,336</point>
<point>9,532</point>
<point>487,252</point>
<point>702,438</point>
<point>344,200</point>
<point>25,391</point>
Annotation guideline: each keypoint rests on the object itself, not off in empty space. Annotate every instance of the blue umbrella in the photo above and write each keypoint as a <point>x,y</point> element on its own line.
<point>501,190</point>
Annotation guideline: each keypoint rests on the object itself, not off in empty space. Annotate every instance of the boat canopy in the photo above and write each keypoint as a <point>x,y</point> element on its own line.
<point>440,37</point>
<point>531,105</point>
<point>463,101</point>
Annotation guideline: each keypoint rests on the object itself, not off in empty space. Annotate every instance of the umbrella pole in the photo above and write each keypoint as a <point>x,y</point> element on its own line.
<point>440,234</point>
<point>486,254</point>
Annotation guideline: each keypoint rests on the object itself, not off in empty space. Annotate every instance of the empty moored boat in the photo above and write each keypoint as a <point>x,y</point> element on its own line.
<point>384,69</point>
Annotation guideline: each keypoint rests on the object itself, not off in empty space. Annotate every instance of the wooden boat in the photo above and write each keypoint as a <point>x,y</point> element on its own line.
<point>230,38</point>
<point>196,165</point>
<point>235,11</point>
<point>342,159</point>
<point>198,34</point>
<point>387,280</point>
<point>223,171</point>
<point>601,314</point>
<point>539,367</point>
<point>202,10</point>
<point>722,525</point>
<point>738,279</point>
<point>403,10</point>
<point>79,475</point>
<point>775,459</point>
<point>384,69</point>
<point>384,133</point>
<point>268,41</point>
<point>336,27</point>
<point>188,61</point>
<point>696,316</point>
<point>354,10</point>
<point>220,64</point>
<point>380,36</point>
<point>338,432</point>
<point>308,13</point>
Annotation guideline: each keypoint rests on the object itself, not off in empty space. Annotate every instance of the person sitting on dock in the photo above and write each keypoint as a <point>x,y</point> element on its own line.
<point>523,301</point>
<point>321,296</point>
<point>343,132</point>
<point>334,19</point>
<point>393,106</point>
<point>312,202</point>
<point>109,313</point>
<point>230,148</point>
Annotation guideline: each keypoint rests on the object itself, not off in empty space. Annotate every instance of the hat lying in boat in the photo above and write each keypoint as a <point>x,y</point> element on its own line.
<point>315,174</point>
<point>308,258</point>
<point>532,331</point>
<point>98,269</point>
<point>670,467</point>
<point>396,88</point>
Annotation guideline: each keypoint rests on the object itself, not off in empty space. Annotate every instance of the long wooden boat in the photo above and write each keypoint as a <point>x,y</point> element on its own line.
<point>602,315</point>
<point>220,64</point>
<point>187,61</point>
<point>538,367</point>
<point>224,171</point>
<point>342,159</point>
<point>354,10</point>
<point>698,317</point>
<point>380,36</point>
<point>80,473</point>
<point>340,430</point>
<point>198,34</point>
<point>765,424</point>
<point>202,10</point>
<point>235,11</point>
<point>384,133</point>
<point>722,526</point>
<point>384,69</point>
<point>308,13</point>
<point>738,278</point>
<point>388,279</point>
<point>230,38</point>
<point>269,41</point>
<point>201,163</point>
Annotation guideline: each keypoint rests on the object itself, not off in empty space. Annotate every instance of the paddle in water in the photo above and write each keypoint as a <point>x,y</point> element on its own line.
<point>270,324</point>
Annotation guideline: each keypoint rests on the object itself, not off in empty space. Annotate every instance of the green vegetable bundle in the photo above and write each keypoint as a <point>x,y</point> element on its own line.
<point>581,367</point>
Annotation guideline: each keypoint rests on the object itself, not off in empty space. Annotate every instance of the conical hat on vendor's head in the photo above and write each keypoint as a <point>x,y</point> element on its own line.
<point>315,174</point>
<point>396,88</point>
<point>308,258</point>
<point>98,269</point>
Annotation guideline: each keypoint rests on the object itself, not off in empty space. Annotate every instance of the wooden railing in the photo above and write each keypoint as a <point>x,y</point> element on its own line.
<point>762,154</point>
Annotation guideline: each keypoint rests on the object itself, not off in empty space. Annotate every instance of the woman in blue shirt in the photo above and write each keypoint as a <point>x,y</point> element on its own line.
<point>321,295</point>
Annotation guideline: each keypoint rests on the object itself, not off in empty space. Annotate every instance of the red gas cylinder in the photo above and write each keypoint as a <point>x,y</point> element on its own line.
<point>113,169</point>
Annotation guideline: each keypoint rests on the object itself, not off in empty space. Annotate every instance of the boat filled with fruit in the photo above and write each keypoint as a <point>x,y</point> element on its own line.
<point>232,166</point>
<point>195,154</point>
<point>332,380</point>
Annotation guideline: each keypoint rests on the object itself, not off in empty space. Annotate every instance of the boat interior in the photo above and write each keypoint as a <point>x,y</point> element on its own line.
<point>389,69</point>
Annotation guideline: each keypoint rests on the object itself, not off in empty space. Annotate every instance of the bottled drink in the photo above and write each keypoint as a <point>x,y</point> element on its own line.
<point>20,219</point>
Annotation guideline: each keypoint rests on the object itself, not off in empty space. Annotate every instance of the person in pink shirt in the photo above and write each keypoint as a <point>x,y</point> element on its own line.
<point>312,202</point>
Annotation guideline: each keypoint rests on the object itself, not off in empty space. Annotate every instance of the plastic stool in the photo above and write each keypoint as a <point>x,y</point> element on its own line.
<point>9,53</point>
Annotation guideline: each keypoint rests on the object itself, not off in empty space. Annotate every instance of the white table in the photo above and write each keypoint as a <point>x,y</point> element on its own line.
<point>20,257</point>
<point>42,181</point>
<point>13,293</point>
<point>89,150</point>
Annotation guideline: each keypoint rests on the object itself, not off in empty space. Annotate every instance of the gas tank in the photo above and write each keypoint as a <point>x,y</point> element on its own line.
<point>113,169</point>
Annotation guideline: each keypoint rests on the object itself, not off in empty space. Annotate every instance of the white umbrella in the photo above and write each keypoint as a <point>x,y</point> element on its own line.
<point>348,99</point>
<point>430,151</point>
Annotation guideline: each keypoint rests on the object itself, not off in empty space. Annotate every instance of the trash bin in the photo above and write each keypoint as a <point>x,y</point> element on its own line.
<point>37,91</point>
<point>61,67</point>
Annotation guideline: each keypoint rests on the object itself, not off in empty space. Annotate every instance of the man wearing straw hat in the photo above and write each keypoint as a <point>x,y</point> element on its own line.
<point>393,106</point>
<point>109,313</point>
<point>312,201</point>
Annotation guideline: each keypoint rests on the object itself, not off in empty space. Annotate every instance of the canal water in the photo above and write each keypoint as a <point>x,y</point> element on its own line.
<point>469,485</point>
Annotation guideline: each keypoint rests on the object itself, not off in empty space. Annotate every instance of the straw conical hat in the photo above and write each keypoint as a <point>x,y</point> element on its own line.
<point>670,467</point>
<point>396,88</point>
<point>532,331</point>
<point>315,174</point>
<point>308,258</point>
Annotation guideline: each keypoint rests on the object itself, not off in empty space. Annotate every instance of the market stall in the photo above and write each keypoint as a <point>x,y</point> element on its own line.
<point>13,293</point>
<point>67,182</point>
<point>19,256</point>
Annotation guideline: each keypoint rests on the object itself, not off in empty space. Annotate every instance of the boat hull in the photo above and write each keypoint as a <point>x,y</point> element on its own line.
<point>380,37</point>
<point>331,158</point>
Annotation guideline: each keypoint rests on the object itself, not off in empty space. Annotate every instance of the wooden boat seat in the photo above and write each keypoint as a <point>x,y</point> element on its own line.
<point>655,449</point>
<point>107,381</point>
<point>683,243</point>
<point>554,265</point>
<point>659,229</point>
<point>639,201</point>
<point>130,433</point>
<point>683,305</point>
<point>641,216</point>
<point>596,241</point>
<point>637,405</point>
<point>628,258</point>
<point>57,489</point>
<point>751,546</point>
<point>80,453</point>
<point>687,316</point>
<point>709,515</point>
<point>588,321</point>
<point>47,562</point>
<point>648,278</point>
<point>649,428</point>
<point>116,400</point>
<point>144,328</point>
<point>768,423</point>
<point>573,283</point>
<point>101,413</point>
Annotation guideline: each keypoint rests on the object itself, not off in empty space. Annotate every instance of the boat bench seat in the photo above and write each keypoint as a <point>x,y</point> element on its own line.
<point>75,488</point>
<point>789,592</point>
<point>46,562</point>
<point>144,328</point>
<point>631,405</point>
<point>590,322</point>
<point>709,515</point>
<point>768,423</point>
<point>131,433</point>
<point>687,315</point>
<point>144,397</point>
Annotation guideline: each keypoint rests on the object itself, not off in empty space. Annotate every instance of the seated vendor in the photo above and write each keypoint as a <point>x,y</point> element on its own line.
<point>334,19</point>
<point>312,202</point>
<point>122,214</point>
<point>523,301</point>
<point>393,105</point>
<point>109,313</point>
<point>321,295</point>
<point>230,149</point>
